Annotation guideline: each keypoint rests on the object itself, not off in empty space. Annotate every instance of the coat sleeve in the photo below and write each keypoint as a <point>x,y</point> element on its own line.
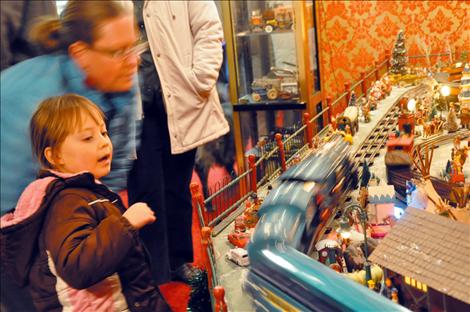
<point>207,35</point>
<point>85,250</point>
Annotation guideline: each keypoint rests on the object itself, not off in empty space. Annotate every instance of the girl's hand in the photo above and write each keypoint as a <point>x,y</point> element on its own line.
<point>139,215</point>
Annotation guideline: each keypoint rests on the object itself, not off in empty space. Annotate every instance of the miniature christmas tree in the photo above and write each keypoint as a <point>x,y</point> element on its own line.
<point>399,58</point>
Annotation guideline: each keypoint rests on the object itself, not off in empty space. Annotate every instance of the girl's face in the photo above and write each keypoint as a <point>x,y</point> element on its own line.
<point>88,149</point>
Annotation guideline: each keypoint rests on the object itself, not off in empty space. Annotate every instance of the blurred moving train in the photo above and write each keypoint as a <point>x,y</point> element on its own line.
<point>283,276</point>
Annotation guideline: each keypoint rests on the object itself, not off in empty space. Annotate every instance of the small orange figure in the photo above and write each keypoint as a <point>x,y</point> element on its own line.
<point>395,296</point>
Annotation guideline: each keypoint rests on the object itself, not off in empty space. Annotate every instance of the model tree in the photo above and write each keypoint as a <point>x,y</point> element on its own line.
<point>399,58</point>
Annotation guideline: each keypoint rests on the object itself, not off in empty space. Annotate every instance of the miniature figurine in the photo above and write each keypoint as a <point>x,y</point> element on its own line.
<point>240,236</point>
<point>387,85</point>
<point>330,253</point>
<point>372,102</point>
<point>250,215</point>
<point>389,289</point>
<point>365,109</point>
<point>410,187</point>
<point>395,296</point>
<point>465,117</point>
<point>347,134</point>
<point>352,99</point>
<point>295,160</point>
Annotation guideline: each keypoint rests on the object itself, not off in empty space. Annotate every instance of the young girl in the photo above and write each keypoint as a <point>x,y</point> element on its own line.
<point>70,239</point>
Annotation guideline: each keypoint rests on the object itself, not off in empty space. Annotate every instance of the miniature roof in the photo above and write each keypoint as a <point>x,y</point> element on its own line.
<point>431,249</point>
<point>381,194</point>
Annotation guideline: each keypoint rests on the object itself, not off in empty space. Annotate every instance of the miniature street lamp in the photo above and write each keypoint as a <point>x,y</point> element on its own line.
<point>345,232</point>
<point>411,105</point>
<point>445,92</point>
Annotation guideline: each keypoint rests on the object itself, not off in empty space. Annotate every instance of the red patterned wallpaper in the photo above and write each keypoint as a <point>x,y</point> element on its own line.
<point>354,34</point>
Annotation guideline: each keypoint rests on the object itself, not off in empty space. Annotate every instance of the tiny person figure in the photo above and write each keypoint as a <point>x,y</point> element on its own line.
<point>348,134</point>
<point>389,289</point>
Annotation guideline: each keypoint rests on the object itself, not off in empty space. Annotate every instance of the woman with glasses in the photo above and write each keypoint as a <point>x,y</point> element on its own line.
<point>92,51</point>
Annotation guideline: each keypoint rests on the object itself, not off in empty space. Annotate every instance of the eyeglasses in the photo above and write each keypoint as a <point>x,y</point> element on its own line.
<point>136,50</point>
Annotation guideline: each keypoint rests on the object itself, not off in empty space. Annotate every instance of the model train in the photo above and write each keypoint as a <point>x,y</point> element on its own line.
<point>293,217</point>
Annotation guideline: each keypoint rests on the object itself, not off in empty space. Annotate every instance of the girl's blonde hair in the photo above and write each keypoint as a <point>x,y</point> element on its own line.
<point>78,22</point>
<point>56,118</point>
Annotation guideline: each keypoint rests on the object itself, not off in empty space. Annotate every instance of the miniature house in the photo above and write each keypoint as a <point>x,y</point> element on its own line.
<point>381,203</point>
<point>426,256</point>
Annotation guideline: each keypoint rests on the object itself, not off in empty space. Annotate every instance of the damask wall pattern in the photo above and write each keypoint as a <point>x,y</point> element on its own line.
<point>354,34</point>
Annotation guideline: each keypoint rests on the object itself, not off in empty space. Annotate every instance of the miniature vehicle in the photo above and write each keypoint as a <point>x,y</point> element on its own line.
<point>239,256</point>
<point>270,19</point>
<point>279,83</point>
<point>270,25</point>
<point>349,118</point>
<point>270,22</point>
<point>258,93</point>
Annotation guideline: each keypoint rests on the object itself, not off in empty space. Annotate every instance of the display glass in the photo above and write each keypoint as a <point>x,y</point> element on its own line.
<point>267,67</point>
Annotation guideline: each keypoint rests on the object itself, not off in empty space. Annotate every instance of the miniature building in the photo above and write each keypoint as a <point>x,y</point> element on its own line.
<point>381,202</point>
<point>464,96</point>
<point>427,257</point>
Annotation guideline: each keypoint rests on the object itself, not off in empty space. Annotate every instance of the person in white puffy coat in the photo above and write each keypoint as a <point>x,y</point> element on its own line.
<point>181,111</point>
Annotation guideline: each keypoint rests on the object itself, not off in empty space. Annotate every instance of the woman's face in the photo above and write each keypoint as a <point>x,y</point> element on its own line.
<point>107,64</point>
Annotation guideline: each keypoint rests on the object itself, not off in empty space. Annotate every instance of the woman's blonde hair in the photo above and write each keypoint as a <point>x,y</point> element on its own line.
<point>78,22</point>
<point>56,118</point>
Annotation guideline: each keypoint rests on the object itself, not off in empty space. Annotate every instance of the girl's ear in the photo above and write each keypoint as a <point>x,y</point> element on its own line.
<point>51,157</point>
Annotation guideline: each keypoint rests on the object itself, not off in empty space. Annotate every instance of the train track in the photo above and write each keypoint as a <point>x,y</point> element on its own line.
<point>377,138</point>
<point>440,139</point>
